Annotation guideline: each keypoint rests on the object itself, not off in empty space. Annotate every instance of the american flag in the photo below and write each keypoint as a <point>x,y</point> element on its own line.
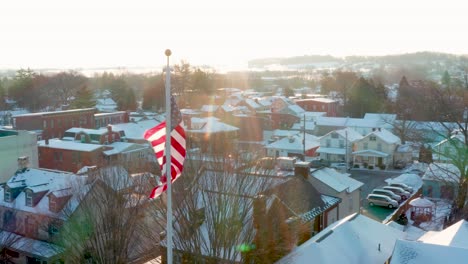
<point>157,137</point>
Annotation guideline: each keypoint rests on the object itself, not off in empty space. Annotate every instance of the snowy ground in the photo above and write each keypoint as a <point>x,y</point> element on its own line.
<point>413,233</point>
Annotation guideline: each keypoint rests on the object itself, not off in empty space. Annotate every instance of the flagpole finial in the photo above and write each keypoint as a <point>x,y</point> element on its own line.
<point>168,52</point>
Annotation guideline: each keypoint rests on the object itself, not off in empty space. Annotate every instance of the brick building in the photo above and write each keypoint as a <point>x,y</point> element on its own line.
<point>104,119</point>
<point>54,124</point>
<point>330,106</point>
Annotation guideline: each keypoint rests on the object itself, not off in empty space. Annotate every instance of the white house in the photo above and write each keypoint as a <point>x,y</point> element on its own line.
<point>107,105</point>
<point>376,149</point>
<point>335,145</point>
<point>331,182</point>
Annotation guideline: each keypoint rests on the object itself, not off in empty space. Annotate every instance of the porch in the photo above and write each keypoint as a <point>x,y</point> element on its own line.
<point>370,159</point>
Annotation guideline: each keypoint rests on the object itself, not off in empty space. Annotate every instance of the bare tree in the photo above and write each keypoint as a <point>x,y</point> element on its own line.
<point>112,223</point>
<point>213,208</point>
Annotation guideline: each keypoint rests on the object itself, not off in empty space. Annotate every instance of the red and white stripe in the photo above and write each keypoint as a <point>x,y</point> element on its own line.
<point>157,137</point>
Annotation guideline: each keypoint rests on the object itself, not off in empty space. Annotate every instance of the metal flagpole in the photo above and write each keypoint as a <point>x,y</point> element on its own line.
<point>168,160</point>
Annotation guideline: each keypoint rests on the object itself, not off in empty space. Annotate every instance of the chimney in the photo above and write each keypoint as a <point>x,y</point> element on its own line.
<point>302,169</point>
<point>109,134</point>
<point>46,141</point>
<point>23,163</point>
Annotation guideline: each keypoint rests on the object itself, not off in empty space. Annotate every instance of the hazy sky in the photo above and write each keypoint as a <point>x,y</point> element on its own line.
<point>95,33</point>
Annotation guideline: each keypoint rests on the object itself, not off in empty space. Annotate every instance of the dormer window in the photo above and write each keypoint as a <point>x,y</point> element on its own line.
<point>29,196</point>
<point>372,138</point>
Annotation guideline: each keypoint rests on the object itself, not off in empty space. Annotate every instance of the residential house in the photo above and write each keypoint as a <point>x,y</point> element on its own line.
<point>451,149</point>
<point>355,239</point>
<point>333,183</point>
<point>290,213</point>
<point>362,125</point>
<point>54,124</point>
<point>296,145</point>
<point>441,181</point>
<point>31,205</point>
<point>337,146</point>
<point>284,112</point>
<point>14,144</point>
<point>455,235</point>
<point>106,105</point>
<point>211,136</point>
<point>376,149</point>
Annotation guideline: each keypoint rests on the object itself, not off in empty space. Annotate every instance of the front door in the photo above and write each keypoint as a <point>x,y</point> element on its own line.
<point>380,161</point>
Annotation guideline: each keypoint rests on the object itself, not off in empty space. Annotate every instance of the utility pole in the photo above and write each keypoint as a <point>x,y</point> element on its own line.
<point>346,148</point>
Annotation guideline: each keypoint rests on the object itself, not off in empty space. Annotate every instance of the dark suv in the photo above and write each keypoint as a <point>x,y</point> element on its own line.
<point>319,163</point>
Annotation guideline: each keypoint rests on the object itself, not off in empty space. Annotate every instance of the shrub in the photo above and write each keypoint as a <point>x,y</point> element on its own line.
<point>382,167</point>
<point>356,166</point>
<point>370,167</point>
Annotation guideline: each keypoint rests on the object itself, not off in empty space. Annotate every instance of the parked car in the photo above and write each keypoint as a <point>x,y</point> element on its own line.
<point>399,164</point>
<point>382,200</point>
<point>319,163</point>
<point>339,166</point>
<point>388,193</point>
<point>403,186</point>
<point>397,190</point>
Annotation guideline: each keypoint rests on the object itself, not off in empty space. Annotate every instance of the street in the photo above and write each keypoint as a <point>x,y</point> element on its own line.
<point>373,179</point>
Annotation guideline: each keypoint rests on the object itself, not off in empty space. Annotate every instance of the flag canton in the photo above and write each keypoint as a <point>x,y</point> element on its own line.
<point>176,117</point>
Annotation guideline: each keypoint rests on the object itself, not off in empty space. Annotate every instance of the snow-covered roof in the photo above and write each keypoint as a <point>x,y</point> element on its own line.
<point>297,110</point>
<point>106,101</point>
<point>409,179</point>
<point>349,133</point>
<point>331,121</point>
<point>442,172</point>
<point>294,143</point>
<point>385,135</point>
<point>411,252</point>
<point>33,247</point>
<point>209,125</point>
<point>209,108</point>
<point>421,202</point>
<point>299,126</point>
<point>100,131</point>
<point>355,239</point>
<point>252,103</point>
<point>136,130</point>
<point>43,180</point>
<point>336,180</point>
<point>383,118</point>
<point>284,133</point>
<point>455,235</point>
<point>121,147</point>
<point>69,145</point>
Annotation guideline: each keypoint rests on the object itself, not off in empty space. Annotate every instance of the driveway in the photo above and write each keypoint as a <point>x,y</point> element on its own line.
<point>373,179</point>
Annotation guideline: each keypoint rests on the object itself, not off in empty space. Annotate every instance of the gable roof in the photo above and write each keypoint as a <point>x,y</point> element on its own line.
<point>411,252</point>
<point>338,181</point>
<point>299,197</point>
<point>385,136</point>
<point>355,239</point>
<point>455,235</point>
<point>294,143</point>
<point>442,172</point>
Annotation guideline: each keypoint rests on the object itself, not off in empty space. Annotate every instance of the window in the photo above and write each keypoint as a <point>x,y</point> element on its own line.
<point>341,143</point>
<point>9,220</point>
<point>334,135</point>
<point>379,147</point>
<point>52,204</point>
<point>29,196</point>
<point>76,157</point>
<point>328,143</point>
<point>52,229</point>
<point>30,226</point>
<point>51,123</point>
<point>365,145</point>
<point>58,156</point>
<point>44,123</point>
<point>350,202</point>
<point>7,195</point>
<point>372,138</point>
